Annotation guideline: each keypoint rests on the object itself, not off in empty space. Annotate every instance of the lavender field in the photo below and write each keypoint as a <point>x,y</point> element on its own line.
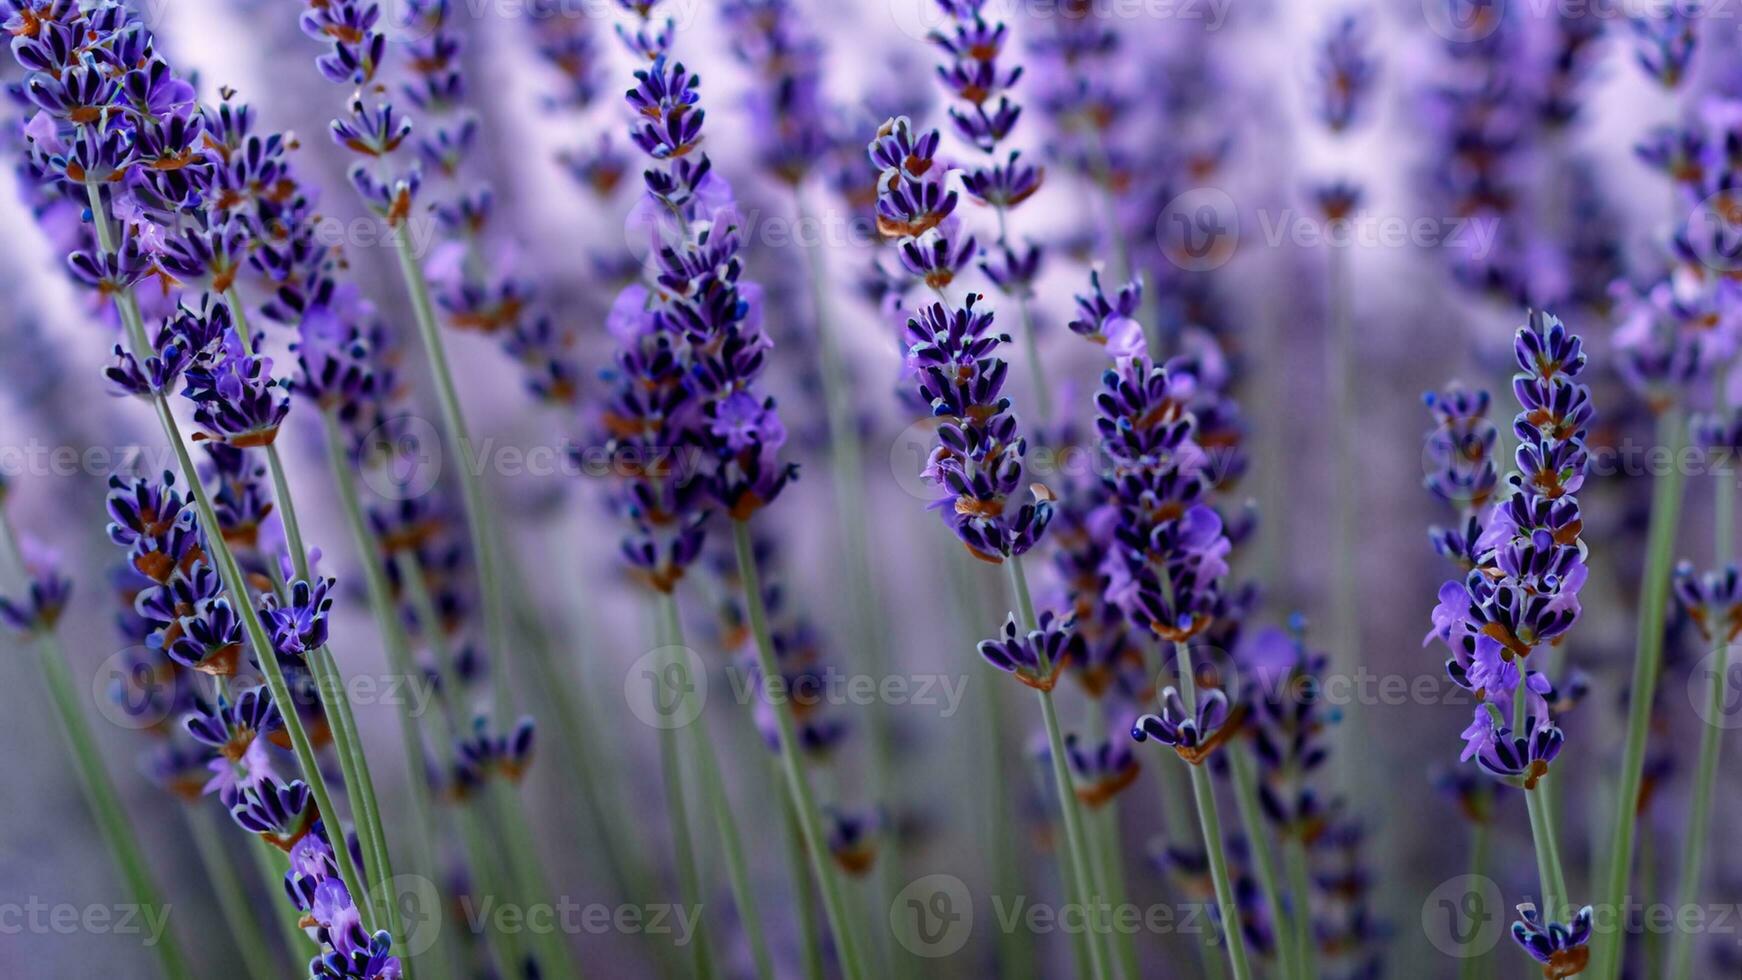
<point>719,489</point>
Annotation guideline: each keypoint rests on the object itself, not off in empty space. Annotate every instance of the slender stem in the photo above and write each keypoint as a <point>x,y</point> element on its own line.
<point>620,850</point>
<point>1300,886</point>
<point>1030,336</point>
<point>811,947</point>
<point>1103,832</point>
<point>1075,840</point>
<point>230,571</point>
<point>515,831</point>
<point>1345,623</point>
<point>676,797</point>
<point>227,891</point>
<point>1210,822</point>
<point>471,485</point>
<point>846,458</point>
<point>1245,779</point>
<point>1554,893</point>
<point>1470,967</point>
<point>718,804</point>
<point>1653,603</point>
<point>506,950</point>
<point>100,794</point>
<point>798,784</point>
<point>398,646</point>
<point>1694,847</point>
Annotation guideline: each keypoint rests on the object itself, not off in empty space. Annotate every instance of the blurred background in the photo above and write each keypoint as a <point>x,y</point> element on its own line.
<point>1218,132</point>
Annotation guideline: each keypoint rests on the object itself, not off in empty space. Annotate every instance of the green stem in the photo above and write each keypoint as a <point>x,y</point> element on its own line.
<point>1075,840</point>
<point>1103,831</point>
<point>1030,337</point>
<point>100,794</point>
<point>1693,863</point>
<point>1300,885</point>
<point>515,832</point>
<point>798,784</point>
<point>471,485</point>
<point>811,947</point>
<point>230,572</point>
<point>398,646</point>
<point>719,806</point>
<point>1245,779</point>
<point>846,459</point>
<point>1470,966</point>
<point>1554,888</point>
<point>1653,603</point>
<point>227,891</point>
<point>676,803</point>
<point>1210,822</point>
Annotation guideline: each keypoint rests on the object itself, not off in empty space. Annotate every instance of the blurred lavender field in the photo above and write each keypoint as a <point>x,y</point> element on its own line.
<point>681,486</point>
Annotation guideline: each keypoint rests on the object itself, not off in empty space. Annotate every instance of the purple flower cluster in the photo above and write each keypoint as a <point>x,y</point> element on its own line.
<point>692,347</point>
<point>1526,561</point>
<point>976,466</point>
<point>1170,549</point>
<point>785,105</point>
<point>979,77</point>
<point>1346,72</point>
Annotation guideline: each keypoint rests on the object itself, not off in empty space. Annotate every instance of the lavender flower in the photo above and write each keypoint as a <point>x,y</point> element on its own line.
<point>1529,565</point>
<point>1346,72</point>
<point>1664,41</point>
<point>1561,948</point>
<point>47,591</point>
<point>1193,735</point>
<point>1035,658</point>
<point>977,464</point>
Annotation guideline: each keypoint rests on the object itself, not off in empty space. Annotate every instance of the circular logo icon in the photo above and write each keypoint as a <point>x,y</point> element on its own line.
<point>1200,229</point>
<point>1720,666</point>
<point>136,689</point>
<point>1464,917</point>
<point>650,227</point>
<point>401,458</point>
<point>917,18</point>
<point>933,916</point>
<point>1463,21</point>
<point>420,910</point>
<point>908,453</point>
<point>1714,231</point>
<point>667,687</point>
